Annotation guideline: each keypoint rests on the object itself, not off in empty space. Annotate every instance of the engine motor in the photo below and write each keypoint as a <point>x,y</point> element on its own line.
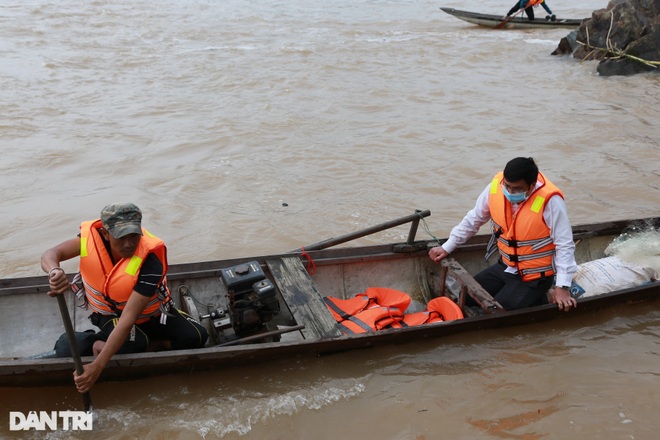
<point>252,297</point>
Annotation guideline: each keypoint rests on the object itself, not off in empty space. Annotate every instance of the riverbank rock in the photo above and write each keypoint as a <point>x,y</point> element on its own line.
<point>622,36</point>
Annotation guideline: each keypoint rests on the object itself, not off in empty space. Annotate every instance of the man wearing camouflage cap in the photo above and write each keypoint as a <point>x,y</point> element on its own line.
<point>123,269</point>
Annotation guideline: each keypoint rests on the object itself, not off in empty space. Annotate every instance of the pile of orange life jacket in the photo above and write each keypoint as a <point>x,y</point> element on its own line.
<point>380,308</point>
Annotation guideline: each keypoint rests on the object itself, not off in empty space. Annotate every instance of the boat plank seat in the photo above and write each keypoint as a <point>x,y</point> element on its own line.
<point>302,298</point>
<point>469,286</point>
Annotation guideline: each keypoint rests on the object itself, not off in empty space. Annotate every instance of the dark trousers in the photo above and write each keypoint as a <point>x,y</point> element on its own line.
<point>529,11</point>
<point>180,329</point>
<point>510,290</point>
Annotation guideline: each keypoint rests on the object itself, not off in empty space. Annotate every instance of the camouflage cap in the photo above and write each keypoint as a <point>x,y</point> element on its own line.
<point>121,219</point>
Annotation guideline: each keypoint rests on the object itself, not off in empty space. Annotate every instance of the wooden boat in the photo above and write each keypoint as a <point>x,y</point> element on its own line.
<point>517,22</point>
<point>303,326</point>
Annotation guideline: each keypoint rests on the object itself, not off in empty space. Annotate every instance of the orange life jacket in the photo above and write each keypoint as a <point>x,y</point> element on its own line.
<point>533,3</point>
<point>523,239</point>
<point>437,310</point>
<point>344,308</point>
<point>418,318</point>
<point>446,308</point>
<point>381,307</point>
<point>375,309</point>
<point>372,319</point>
<point>108,286</point>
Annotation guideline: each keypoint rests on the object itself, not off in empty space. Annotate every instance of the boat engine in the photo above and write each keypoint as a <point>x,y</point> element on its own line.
<point>251,297</point>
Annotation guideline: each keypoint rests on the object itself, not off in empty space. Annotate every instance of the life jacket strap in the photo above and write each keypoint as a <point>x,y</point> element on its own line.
<point>535,244</point>
<point>518,258</point>
<point>492,243</point>
<point>97,305</point>
<point>546,270</point>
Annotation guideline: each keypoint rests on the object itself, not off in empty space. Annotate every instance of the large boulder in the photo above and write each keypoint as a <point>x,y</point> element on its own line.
<point>622,36</point>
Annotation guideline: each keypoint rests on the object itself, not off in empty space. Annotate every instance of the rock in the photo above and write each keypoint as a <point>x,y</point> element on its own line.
<point>567,44</point>
<point>625,27</point>
<point>645,48</point>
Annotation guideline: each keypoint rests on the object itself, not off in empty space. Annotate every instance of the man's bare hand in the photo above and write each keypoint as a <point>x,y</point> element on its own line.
<point>58,282</point>
<point>437,254</point>
<point>562,297</point>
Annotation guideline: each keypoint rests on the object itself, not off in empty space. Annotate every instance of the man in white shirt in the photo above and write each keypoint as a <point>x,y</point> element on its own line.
<point>532,232</point>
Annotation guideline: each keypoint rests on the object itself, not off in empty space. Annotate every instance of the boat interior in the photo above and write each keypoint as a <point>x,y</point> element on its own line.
<point>280,297</point>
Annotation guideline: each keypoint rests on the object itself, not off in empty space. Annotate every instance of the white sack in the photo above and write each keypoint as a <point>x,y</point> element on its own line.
<point>608,274</point>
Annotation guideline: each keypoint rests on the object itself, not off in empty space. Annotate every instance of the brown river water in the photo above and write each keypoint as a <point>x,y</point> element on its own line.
<point>245,128</point>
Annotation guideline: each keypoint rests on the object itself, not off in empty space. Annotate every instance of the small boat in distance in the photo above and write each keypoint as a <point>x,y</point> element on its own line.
<point>519,22</point>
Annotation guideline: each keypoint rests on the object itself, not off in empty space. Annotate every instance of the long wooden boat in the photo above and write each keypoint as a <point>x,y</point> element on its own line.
<point>303,326</point>
<point>517,22</point>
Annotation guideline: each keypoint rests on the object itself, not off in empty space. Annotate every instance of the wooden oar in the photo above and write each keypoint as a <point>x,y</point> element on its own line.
<point>506,20</point>
<point>75,353</point>
<point>415,218</point>
<point>259,336</point>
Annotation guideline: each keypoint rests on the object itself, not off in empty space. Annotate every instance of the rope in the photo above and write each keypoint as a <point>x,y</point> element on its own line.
<point>311,265</point>
<point>428,230</point>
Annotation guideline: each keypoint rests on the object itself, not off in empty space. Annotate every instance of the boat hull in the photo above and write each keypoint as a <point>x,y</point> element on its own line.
<point>339,272</point>
<point>53,372</point>
<point>492,21</point>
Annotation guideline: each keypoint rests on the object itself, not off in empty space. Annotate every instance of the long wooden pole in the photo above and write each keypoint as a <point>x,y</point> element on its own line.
<point>367,231</point>
<point>75,353</point>
<point>259,336</point>
<point>506,20</point>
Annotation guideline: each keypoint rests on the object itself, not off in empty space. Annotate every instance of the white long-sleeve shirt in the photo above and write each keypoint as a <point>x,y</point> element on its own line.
<point>555,216</point>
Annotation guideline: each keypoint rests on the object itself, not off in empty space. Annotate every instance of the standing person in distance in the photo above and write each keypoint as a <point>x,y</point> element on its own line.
<point>528,6</point>
<point>532,232</point>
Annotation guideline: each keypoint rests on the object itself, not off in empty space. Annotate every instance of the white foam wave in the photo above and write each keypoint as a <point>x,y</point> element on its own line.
<point>239,413</point>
